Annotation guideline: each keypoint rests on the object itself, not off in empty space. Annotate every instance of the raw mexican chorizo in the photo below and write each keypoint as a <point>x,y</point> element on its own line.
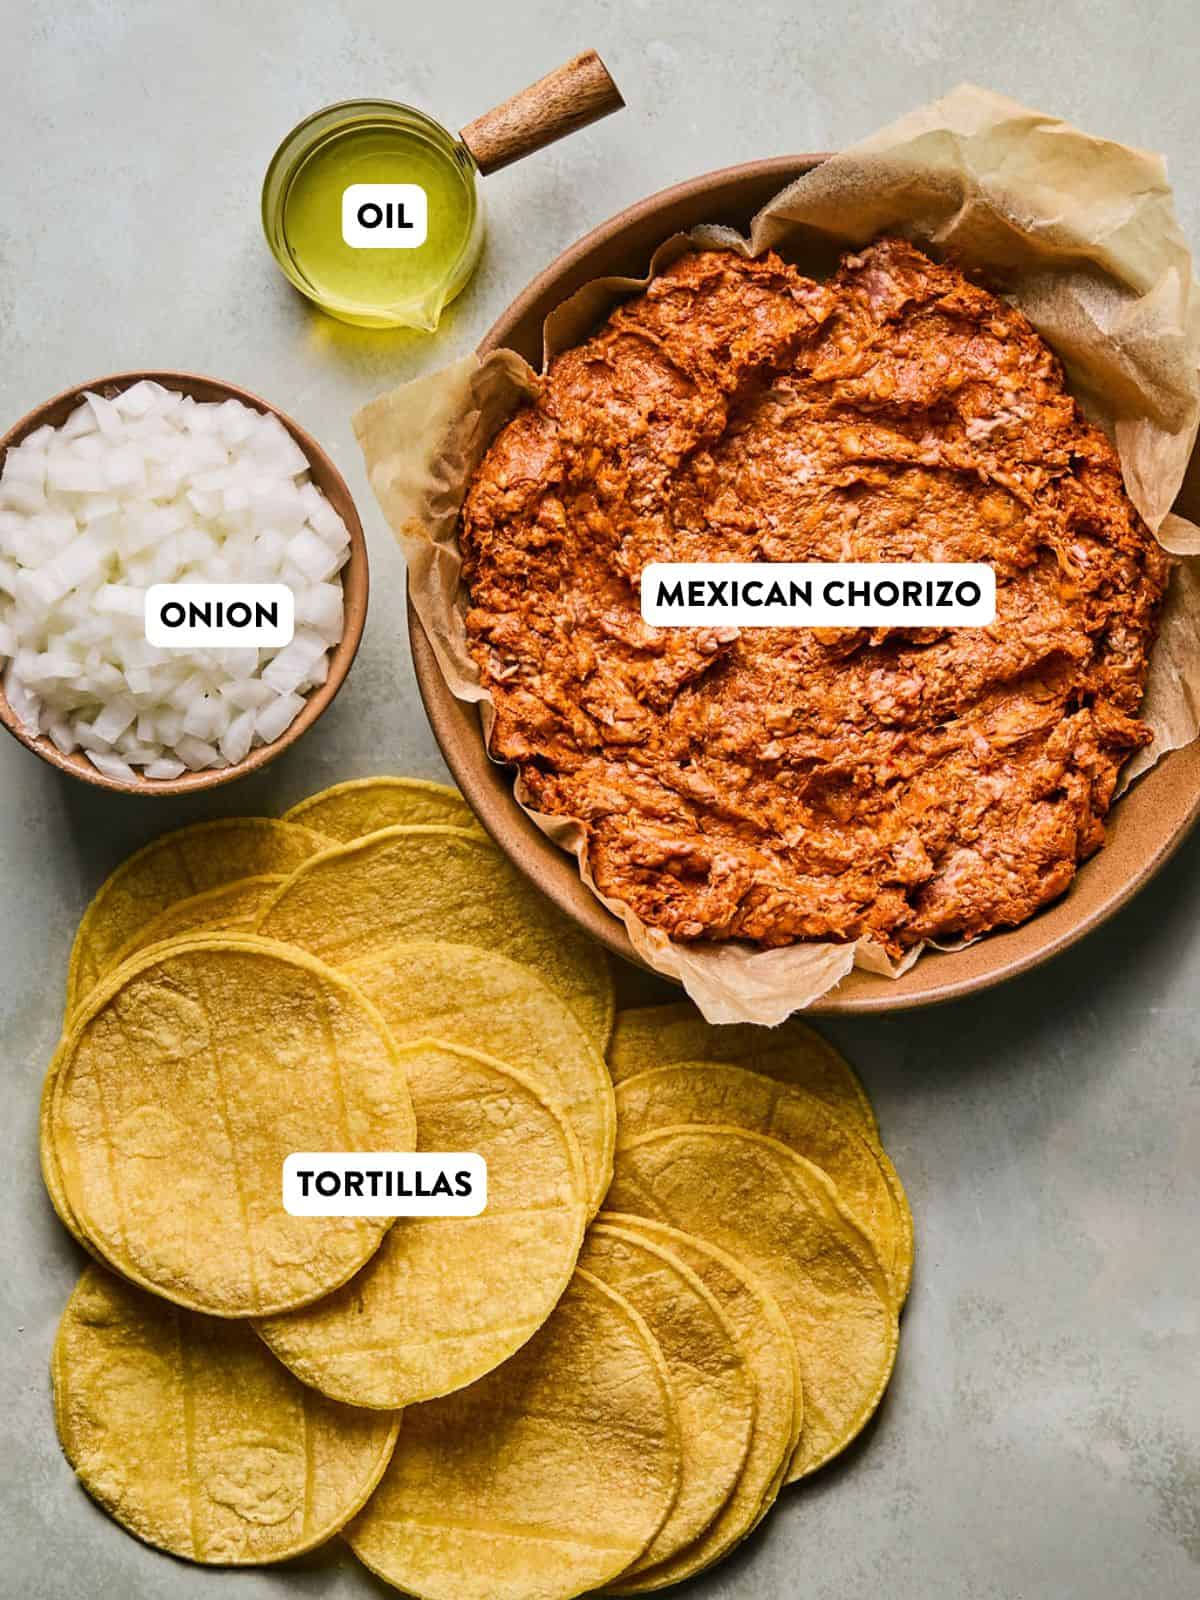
<point>773,784</point>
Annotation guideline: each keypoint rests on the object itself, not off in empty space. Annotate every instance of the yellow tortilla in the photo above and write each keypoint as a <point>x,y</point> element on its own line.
<point>439,883</point>
<point>446,1299</point>
<point>51,1176</point>
<point>660,1036</point>
<point>710,1384</point>
<point>712,1092</point>
<point>193,1071</point>
<point>174,867</point>
<point>544,1480</point>
<point>779,1216</point>
<point>364,805</point>
<point>473,997</point>
<point>229,908</point>
<point>187,1432</point>
<point>770,1355</point>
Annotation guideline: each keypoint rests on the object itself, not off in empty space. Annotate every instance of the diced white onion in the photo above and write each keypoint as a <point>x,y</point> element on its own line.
<point>154,487</point>
<point>235,742</point>
<point>165,767</point>
<point>60,735</point>
<point>275,717</point>
<point>196,752</point>
<point>115,718</point>
<point>309,552</point>
<point>248,694</point>
<point>206,718</point>
<point>112,766</point>
<point>69,475</point>
<point>320,607</point>
<point>23,701</point>
<point>108,418</point>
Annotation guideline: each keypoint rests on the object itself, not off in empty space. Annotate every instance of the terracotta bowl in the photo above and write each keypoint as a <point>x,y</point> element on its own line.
<point>1144,828</point>
<point>354,581</point>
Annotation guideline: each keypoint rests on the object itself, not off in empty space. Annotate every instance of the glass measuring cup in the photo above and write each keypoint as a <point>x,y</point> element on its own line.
<point>371,208</point>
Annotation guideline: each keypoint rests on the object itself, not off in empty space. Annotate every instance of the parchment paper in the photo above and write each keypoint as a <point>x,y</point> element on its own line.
<point>1078,231</point>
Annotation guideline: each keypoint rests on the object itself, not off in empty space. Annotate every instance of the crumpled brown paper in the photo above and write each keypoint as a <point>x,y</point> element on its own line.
<point>1078,231</point>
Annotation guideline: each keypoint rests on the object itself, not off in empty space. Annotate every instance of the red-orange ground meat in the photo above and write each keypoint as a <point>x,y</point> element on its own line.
<point>787,784</point>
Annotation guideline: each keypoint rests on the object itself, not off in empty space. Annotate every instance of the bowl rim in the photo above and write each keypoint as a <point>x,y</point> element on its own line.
<point>1157,812</point>
<point>355,577</point>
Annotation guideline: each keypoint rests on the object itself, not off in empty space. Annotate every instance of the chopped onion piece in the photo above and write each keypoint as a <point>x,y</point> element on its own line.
<point>308,552</point>
<point>294,662</point>
<point>112,766</point>
<point>206,718</point>
<point>121,600</point>
<point>70,475</point>
<point>319,606</point>
<point>87,737</point>
<point>24,702</point>
<point>140,398</point>
<point>23,465</point>
<point>108,419</point>
<point>196,752</point>
<point>275,718</point>
<point>165,767</point>
<point>125,467</point>
<point>115,718</point>
<point>236,740</point>
<point>248,694</point>
<point>60,735</point>
<point>170,725</point>
<point>82,420</point>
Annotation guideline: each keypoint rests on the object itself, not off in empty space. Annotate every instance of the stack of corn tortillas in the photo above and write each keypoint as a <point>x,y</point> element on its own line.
<point>683,1292</point>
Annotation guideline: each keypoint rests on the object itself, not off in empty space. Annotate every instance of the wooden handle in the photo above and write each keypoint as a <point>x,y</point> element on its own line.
<point>566,99</point>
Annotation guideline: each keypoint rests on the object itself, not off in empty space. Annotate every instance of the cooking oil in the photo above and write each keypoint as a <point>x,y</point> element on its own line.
<point>386,280</point>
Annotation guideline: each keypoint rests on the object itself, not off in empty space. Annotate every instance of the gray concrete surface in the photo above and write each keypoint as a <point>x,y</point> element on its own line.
<point>1042,1436</point>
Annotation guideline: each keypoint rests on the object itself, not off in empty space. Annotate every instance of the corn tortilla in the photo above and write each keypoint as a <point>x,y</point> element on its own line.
<point>779,1216</point>
<point>51,1176</point>
<point>660,1036</point>
<point>544,1480</point>
<point>174,867</point>
<point>232,907</point>
<point>710,1384</point>
<point>770,1354</point>
<point>187,1432</point>
<point>473,997</point>
<point>446,1299</point>
<point>439,883</point>
<point>712,1092</point>
<point>364,805</point>
<point>192,1072</point>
